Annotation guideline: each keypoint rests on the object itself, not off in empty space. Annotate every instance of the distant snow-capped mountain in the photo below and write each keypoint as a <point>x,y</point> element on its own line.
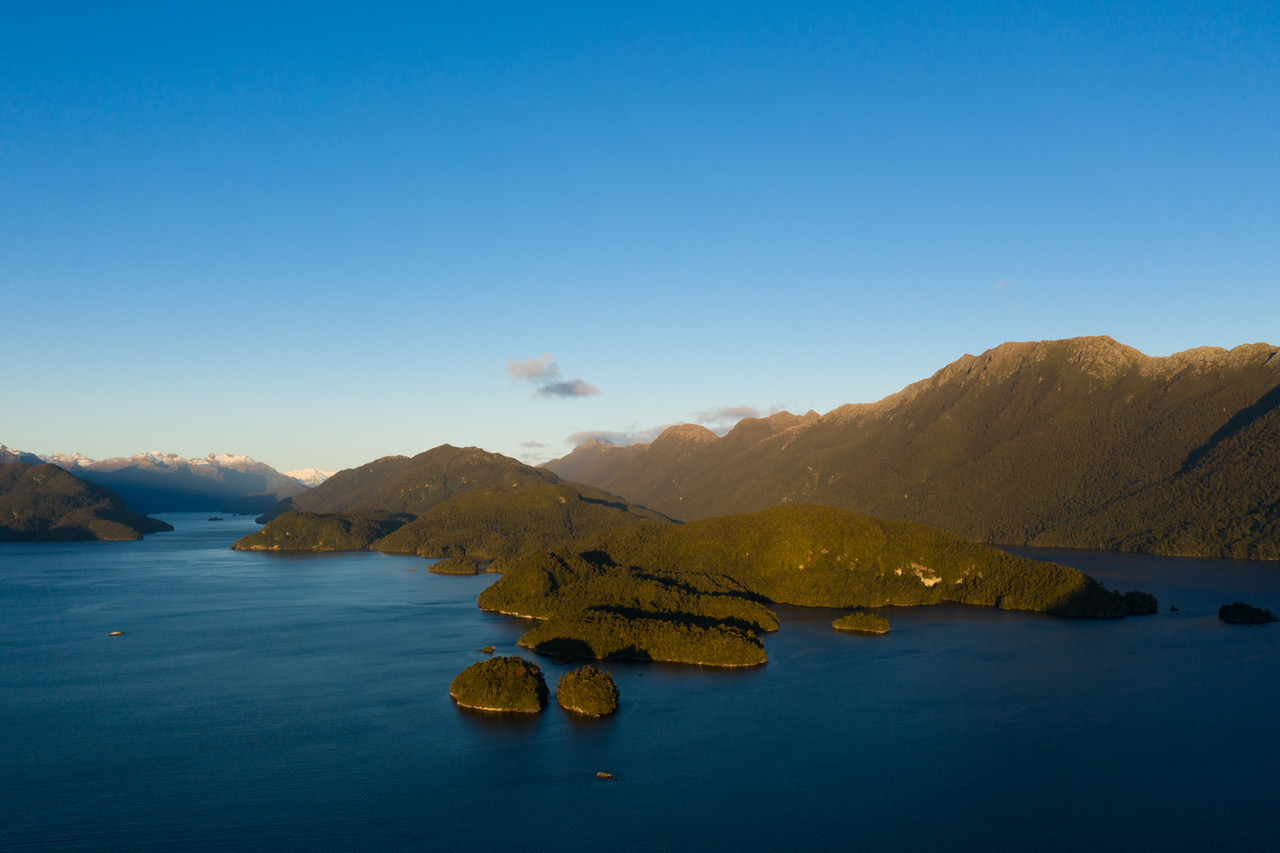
<point>166,482</point>
<point>69,461</point>
<point>310,477</point>
<point>8,454</point>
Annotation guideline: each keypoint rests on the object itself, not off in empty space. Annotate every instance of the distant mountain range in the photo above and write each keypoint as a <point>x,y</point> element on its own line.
<point>165,482</point>
<point>1082,443</point>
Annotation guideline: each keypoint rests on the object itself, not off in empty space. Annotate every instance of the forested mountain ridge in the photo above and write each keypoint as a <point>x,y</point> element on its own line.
<point>448,501</point>
<point>404,484</point>
<point>45,503</point>
<point>1075,443</point>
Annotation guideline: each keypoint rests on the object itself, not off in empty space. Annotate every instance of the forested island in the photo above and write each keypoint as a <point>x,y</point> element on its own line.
<point>699,592</point>
<point>502,684</point>
<point>587,691</point>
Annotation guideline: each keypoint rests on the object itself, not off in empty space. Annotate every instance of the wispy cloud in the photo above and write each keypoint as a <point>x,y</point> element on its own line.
<point>540,369</point>
<point>621,439</point>
<point>567,388</point>
<point>545,373</point>
<point>534,444</point>
<point>727,415</point>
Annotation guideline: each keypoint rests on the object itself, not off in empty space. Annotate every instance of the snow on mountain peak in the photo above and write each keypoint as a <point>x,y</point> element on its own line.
<point>309,476</point>
<point>68,461</point>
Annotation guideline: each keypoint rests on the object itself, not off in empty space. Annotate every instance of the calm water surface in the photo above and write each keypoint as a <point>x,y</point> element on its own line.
<point>260,702</point>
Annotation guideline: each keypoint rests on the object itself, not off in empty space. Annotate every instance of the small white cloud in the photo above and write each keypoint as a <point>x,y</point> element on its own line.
<point>540,369</point>
<point>545,373</point>
<point>534,444</point>
<point>727,415</point>
<point>621,439</point>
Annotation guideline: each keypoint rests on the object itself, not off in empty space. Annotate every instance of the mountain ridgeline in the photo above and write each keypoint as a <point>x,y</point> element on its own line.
<point>447,502</point>
<point>1081,443</point>
<point>403,484</point>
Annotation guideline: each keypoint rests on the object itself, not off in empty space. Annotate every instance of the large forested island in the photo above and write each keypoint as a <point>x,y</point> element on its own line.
<point>698,592</point>
<point>45,503</point>
<point>1081,443</point>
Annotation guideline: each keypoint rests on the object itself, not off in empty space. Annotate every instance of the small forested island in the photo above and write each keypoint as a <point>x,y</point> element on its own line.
<point>501,684</point>
<point>862,622</point>
<point>45,503</point>
<point>587,691</point>
<point>1239,613</point>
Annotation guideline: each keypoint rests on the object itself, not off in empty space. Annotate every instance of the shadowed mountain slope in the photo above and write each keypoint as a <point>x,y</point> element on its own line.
<point>45,503</point>
<point>166,482</point>
<point>1078,443</point>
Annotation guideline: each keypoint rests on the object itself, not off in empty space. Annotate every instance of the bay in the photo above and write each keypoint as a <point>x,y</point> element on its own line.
<point>259,702</point>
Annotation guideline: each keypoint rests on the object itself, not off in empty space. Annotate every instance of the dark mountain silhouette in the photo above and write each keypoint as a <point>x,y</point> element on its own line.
<point>45,503</point>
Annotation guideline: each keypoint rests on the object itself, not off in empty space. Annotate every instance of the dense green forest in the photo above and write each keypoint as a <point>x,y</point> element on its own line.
<point>593,608</point>
<point>697,592</point>
<point>826,557</point>
<point>862,622</point>
<point>587,691</point>
<point>501,684</point>
<point>505,522</point>
<point>564,585</point>
<point>45,503</point>
<point>482,523</point>
<point>638,638</point>
<point>309,531</point>
<point>401,484</point>
<point>1078,443</point>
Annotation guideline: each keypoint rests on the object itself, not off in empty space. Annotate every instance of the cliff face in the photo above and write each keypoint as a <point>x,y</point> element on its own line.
<point>1077,443</point>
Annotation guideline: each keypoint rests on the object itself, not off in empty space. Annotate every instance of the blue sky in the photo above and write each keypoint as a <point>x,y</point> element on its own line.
<point>320,234</point>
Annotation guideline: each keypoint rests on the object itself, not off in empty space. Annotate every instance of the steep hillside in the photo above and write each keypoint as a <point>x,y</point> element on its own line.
<point>1080,443</point>
<point>402,484</point>
<point>491,523</point>
<point>45,503</point>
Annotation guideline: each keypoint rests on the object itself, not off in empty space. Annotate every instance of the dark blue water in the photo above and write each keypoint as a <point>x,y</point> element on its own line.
<point>260,702</point>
